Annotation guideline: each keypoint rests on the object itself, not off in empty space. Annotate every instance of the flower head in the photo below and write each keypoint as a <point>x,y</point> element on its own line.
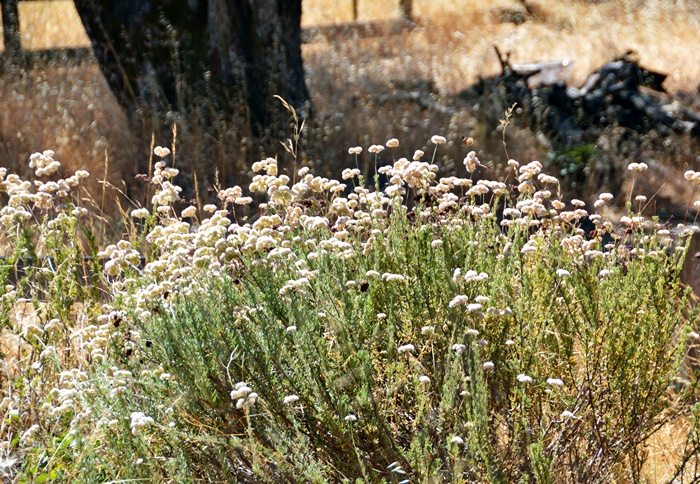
<point>555,382</point>
<point>522,378</point>
<point>409,348</point>
<point>458,300</point>
<point>637,167</point>
<point>140,213</point>
<point>161,151</point>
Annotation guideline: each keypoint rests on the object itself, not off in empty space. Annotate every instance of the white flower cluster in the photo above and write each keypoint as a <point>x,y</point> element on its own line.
<point>458,300</point>
<point>168,193</point>
<point>122,257</point>
<point>416,174</point>
<point>63,399</point>
<point>43,163</point>
<point>473,276</point>
<point>244,396</point>
<point>139,420</point>
<point>637,167</point>
<point>24,197</point>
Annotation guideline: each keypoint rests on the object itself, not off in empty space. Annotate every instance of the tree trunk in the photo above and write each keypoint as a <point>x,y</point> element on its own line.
<point>167,54</point>
<point>11,37</point>
<point>263,39</point>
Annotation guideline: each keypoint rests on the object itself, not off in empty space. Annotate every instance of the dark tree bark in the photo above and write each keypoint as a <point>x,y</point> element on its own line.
<point>11,38</point>
<point>167,53</point>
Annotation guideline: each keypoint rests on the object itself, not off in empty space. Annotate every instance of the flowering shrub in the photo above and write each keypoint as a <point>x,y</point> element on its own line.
<point>448,329</point>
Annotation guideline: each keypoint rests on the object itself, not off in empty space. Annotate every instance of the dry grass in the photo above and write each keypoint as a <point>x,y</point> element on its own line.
<point>665,451</point>
<point>72,111</point>
<point>354,82</point>
<point>47,24</point>
<point>459,35</point>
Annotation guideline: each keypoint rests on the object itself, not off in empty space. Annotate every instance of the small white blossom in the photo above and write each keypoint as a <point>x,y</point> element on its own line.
<point>189,212</point>
<point>138,421</point>
<point>161,152</point>
<point>406,348</point>
<point>458,300</point>
<point>140,213</point>
<point>241,390</point>
<point>393,277</point>
<point>459,348</point>
<point>637,167</point>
